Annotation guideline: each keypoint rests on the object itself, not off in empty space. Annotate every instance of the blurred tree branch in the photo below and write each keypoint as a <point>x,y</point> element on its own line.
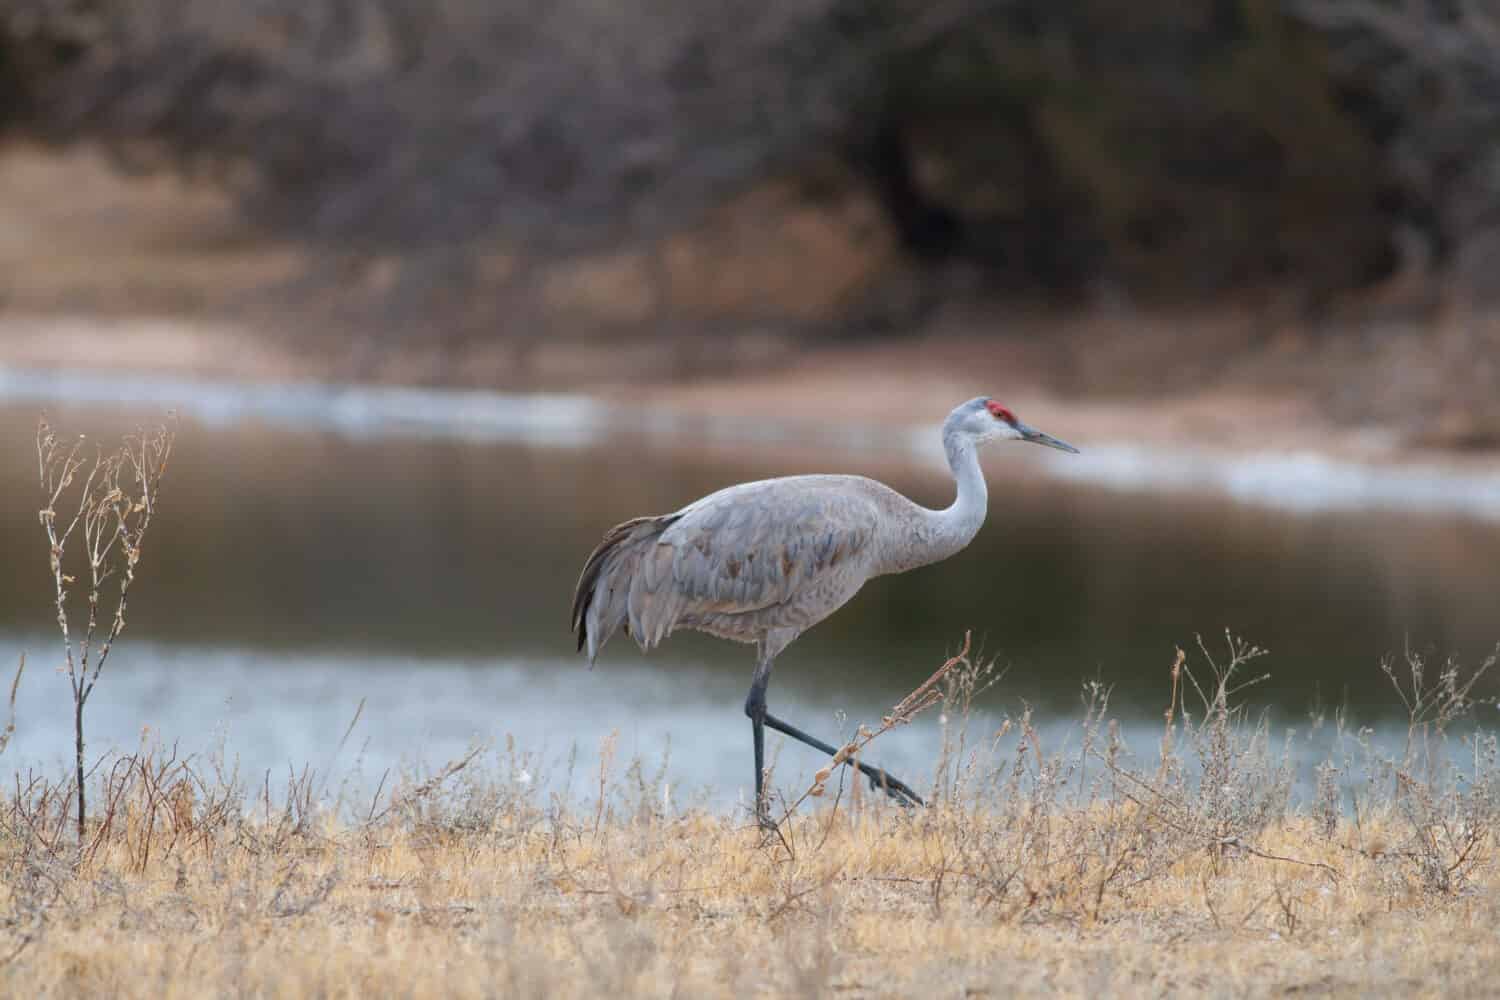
<point>1435,65</point>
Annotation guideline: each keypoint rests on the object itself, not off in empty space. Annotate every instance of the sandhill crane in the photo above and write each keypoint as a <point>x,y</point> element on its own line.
<point>763,562</point>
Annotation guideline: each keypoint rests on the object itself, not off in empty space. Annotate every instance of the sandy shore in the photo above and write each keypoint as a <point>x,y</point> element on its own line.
<point>871,409</point>
<point>883,385</point>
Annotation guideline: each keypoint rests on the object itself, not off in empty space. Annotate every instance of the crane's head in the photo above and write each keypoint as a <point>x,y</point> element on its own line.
<point>983,419</point>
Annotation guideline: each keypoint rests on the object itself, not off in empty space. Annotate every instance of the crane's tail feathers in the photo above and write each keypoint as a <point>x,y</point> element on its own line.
<point>601,600</point>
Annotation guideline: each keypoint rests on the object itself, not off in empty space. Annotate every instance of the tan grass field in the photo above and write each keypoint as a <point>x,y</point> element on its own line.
<point>701,906</point>
<point>1081,871</point>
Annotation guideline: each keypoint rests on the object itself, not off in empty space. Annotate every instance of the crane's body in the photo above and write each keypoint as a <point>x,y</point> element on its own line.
<point>762,562</point>
<point>777,555</point>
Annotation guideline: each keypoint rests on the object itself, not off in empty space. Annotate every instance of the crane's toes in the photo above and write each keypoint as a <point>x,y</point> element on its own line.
<point>898,790</point>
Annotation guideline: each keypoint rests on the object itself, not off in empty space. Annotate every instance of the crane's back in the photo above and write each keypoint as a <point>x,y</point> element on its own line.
<point>776,554</point>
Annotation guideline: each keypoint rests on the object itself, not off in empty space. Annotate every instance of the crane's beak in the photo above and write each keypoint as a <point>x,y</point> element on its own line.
<point>1037,437</point>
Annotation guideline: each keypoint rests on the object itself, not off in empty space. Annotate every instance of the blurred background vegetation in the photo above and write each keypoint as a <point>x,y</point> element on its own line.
<point>713,171</point>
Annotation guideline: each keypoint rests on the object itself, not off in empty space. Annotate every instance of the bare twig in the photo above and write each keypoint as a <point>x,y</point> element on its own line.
<point>427,787</point>
<point>923,697</point>
<point>10,721</point>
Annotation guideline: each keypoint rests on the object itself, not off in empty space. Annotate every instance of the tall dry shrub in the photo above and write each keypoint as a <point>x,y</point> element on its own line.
<point>102,505</point>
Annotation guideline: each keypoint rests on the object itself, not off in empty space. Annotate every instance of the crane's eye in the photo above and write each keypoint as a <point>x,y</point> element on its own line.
<point>999,412</point>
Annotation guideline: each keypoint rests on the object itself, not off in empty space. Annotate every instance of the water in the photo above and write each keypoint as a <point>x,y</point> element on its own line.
<point>417,551</point>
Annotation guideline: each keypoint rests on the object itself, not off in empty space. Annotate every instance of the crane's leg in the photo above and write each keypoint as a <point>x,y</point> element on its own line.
<point>755,708</point>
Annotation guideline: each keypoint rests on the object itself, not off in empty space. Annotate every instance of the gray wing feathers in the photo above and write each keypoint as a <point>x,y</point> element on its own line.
<point>654,606</point>
<point>725,563</point>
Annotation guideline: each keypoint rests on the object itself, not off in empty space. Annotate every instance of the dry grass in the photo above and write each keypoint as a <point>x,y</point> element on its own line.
<point>1076,870</point>
<point>698,906</point>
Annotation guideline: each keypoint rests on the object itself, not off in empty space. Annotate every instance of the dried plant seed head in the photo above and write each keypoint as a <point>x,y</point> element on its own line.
<point>823,775</point>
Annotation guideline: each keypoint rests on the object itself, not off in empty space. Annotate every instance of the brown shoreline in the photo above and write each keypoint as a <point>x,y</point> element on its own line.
<point>114,274</point>
<point>886,386</point>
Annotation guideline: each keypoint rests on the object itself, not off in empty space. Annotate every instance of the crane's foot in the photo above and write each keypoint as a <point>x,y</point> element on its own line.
<point>898,790</point>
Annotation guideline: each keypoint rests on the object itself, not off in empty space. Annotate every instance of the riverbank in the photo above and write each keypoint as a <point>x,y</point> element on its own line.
<point>838,411</point>
<point>140,279</point>
<point>871,383</point>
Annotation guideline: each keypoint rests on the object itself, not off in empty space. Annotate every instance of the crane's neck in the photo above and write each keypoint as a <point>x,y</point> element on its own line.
<point>956,525</point>
<point>933,535</point>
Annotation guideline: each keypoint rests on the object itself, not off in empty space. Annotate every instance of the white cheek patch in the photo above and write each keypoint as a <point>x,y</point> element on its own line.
<point>998,431</point>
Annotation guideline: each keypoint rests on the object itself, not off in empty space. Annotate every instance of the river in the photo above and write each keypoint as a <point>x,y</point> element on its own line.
<point>415,551</point>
